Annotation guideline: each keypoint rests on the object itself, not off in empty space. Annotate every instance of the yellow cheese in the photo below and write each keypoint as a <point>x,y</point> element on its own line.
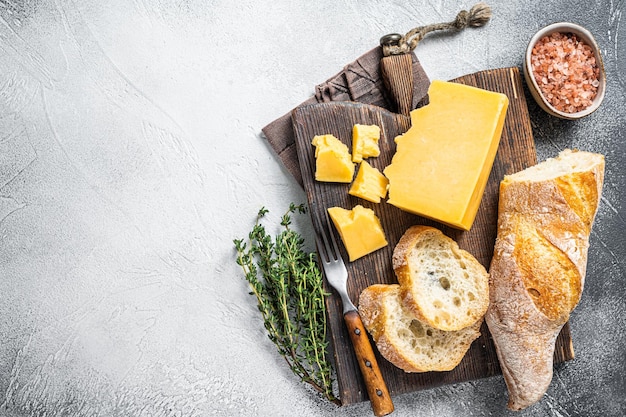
<point>370,184</point>
<point>443,161</point>
<point>333,162</point>
<point>360,230</point>
<point>365,141</point>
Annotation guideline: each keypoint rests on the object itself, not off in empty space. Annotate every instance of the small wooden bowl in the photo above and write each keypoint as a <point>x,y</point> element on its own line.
<point>584,35</point>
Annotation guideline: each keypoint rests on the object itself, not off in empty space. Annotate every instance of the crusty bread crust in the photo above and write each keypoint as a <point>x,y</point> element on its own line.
<point>405,341</point>
<point>538,268</point>
<point>443,285</point>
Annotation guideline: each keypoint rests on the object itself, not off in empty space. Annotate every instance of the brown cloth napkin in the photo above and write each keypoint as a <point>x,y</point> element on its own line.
<point>359,81</point>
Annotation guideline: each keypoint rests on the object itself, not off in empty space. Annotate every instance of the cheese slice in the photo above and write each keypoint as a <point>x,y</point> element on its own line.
<point>370,184</point>
<point>333,162</point>
<point>360,230</point>
<point>442,163</point>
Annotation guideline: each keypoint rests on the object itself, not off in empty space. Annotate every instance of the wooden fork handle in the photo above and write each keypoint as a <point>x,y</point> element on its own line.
<point>376,387</point>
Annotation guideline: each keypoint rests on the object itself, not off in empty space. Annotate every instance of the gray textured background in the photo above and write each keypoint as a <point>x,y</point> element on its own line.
<point>131,157</point>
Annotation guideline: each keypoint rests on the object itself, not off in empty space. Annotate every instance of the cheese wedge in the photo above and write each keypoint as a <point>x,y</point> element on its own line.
<point>370,184</point>
<point>443,161</point>
<point>333,162</point>
<point>360,230</point>
<point>365,141</point>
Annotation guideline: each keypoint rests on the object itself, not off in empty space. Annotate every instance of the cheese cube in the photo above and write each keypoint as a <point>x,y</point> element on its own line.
<point>365,141</point>
<point>333,162</point>
<point>443,161</point>
<point>360,230</point>
<point>370,184</point>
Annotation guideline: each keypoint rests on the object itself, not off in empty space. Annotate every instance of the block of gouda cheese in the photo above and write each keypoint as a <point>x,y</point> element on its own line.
<point>360,230</point>
<point>333,162</point>
<point>365,141</point>
<point>370,184</point>
<point>442,163</point>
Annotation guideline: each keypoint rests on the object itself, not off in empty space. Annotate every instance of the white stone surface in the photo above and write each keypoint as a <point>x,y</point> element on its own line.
<point>131,157</point>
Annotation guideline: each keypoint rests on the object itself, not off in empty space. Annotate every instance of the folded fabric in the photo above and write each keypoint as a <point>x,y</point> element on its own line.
<point>359,81</point>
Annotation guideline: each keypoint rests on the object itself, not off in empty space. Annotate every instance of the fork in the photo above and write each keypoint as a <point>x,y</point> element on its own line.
<point>337,276</point>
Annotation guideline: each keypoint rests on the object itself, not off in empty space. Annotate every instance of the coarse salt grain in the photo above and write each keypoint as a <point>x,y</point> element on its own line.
<point>566,71</point>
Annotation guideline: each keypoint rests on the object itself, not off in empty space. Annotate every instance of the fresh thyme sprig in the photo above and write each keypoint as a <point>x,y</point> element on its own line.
<point>287,284</point>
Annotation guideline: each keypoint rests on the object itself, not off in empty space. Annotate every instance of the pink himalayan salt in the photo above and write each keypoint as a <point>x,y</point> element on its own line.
<point>566,71</point>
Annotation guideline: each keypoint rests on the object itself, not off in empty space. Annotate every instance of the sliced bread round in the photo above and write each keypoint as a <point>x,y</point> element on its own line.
<point>443,285</point>
<point>405,341</point>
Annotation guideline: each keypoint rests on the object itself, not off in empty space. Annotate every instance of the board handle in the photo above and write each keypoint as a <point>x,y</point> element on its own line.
<point>375,384</point>
<point>397,74</point>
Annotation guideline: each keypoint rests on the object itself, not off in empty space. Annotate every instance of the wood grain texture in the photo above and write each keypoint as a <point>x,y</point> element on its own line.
<point>395,71</point>
<point>516,152</point>
<point>377,390</point>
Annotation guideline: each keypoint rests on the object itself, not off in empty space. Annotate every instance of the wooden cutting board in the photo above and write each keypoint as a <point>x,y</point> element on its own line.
<point>516,152</point>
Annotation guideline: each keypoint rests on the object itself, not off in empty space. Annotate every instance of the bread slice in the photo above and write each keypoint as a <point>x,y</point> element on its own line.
<point>443,285</point>
<point>405,341</point>
<point>545,214</point>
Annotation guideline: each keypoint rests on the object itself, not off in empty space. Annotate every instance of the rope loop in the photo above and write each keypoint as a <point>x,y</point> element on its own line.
<point>477,16</point>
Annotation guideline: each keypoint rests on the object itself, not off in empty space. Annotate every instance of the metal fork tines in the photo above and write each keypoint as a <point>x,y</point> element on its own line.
<point>336,274</point>
<point>332,263</point>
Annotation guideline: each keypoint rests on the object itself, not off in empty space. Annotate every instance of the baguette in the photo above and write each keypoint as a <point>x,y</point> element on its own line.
<point>443,285</point>
<point>537,273</point>
<point>406,342</point>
